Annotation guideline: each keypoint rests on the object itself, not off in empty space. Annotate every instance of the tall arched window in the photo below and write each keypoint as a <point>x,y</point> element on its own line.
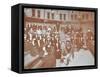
<point>60,16</point>
<point>38,13</point>
<point>33,12</point>
<point>48,15</point>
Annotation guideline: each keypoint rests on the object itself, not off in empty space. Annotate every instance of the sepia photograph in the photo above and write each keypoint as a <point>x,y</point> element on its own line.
<point>56,38</point>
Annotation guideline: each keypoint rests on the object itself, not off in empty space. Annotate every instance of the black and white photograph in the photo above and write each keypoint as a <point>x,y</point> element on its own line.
<point>58,38</point>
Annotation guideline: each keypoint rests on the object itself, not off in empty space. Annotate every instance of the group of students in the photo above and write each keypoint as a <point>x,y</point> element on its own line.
<point>61,42</point>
